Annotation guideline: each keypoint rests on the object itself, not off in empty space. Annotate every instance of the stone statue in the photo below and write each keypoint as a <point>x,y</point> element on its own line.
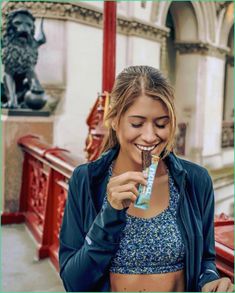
<point>21,88</point>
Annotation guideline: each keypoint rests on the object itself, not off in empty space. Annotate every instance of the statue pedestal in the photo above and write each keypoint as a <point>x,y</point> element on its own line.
<point>14,127</point>
<point>25,112</point>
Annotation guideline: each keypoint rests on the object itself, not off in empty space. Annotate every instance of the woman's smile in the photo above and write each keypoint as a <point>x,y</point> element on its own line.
<point>145,148</point>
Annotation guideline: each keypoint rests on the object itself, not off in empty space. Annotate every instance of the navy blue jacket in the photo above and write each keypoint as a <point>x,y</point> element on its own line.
<point>90,233</point>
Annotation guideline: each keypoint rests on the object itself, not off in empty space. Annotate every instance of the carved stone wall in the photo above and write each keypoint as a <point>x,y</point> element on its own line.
<point>200,48</point>
<point>81,13</point>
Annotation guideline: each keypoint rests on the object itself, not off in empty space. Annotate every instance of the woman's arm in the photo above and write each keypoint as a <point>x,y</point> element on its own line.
<point>85,258</point>
<point>208,269</point>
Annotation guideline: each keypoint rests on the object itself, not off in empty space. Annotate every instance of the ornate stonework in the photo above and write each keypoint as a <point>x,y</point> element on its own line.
<point>81,13</point>
<point>163,57</point>
<point>200,48</point>
<point>137,28</point>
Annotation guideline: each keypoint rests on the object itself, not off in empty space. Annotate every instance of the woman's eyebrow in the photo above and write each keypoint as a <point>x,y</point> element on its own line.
<point>143,117</point>
<point>162,117</point>
<point>137,116</point>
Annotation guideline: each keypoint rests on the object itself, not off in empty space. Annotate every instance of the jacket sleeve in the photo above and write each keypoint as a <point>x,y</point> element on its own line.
<point>208,268</point>
<point>85,258</point>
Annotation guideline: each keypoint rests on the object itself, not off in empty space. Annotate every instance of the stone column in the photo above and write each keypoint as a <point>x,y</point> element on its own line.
<point>229,89</point>
<point>199,99</point>
<point>163,61</point>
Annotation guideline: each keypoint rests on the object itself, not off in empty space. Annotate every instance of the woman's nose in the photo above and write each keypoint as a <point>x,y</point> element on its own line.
<point>149,134</point>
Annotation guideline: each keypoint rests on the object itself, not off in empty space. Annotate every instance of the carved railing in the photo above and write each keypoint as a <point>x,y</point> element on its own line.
<point>46,171</point>
<point>227,134</point>
<point>224,245</point>
<point>96,128</point>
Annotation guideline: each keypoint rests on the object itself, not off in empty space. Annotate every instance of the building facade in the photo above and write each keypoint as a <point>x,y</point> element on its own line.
<point>190,41</point>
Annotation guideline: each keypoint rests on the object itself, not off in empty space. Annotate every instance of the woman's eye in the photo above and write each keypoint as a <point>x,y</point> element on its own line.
<point>136,125</point>
<point>161,126</point>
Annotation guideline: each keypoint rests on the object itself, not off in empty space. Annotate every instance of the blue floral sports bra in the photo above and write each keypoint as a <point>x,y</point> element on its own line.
<point>151,245</point>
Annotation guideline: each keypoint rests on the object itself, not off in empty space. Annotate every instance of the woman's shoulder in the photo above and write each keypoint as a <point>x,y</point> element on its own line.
<point>199,179</point>
<point>81,171</point>
<point>194,170</point>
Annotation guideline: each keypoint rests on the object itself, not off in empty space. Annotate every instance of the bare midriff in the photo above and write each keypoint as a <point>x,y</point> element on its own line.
<point>168,282</point>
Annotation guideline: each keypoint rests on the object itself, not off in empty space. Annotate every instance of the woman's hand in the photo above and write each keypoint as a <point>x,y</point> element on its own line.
<point>122,189</point>
<point>220,285</point>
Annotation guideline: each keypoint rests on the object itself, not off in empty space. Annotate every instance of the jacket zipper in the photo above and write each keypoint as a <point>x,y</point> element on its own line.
<point>184,233</point>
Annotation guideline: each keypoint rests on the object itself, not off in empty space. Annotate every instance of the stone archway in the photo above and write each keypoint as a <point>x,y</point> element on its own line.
<point>226,23</point>
<point>181,63</point>
<point>179,14</point>
<point>161,9</point>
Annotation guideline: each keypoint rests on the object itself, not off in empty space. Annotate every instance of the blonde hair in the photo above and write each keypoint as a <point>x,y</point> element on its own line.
<point>131,83</point>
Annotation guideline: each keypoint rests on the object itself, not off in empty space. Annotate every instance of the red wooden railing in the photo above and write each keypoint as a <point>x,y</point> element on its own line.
<point>46,171</point>
<point>224,245</point>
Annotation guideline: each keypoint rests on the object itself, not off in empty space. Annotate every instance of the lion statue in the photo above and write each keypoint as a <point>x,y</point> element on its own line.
<point>19,57</point>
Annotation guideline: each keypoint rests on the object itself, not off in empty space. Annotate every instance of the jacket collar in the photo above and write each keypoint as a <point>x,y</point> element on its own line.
<point>98,169</point>
<point>176,168</point>
<point>175,164</point>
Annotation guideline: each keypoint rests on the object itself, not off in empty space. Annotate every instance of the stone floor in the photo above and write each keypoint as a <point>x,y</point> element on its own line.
<point>21,271</point>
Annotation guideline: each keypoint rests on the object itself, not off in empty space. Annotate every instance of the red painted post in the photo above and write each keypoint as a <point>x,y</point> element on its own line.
<point>23,201</point>
<point>109,45</point>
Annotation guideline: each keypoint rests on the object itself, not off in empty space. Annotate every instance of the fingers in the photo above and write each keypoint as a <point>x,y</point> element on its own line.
<point>131,176</point>
<point>122,189</point>
<point>127,187</point>
<point>210,287</point>
<point>116,190</point>
<point>220,285</point>
<point>231,288</point>
<point>127,196</point>
<point>206,289</point>
<point>117,197</point>
<point>225,285</point>
<point>121,200</point>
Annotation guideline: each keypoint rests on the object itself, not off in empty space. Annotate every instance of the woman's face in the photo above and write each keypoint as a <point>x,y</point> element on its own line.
<point>144,126</point>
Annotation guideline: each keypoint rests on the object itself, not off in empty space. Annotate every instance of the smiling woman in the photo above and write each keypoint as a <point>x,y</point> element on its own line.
<point>107,243</point>
<point>144,126</point>
<point>132,86</point>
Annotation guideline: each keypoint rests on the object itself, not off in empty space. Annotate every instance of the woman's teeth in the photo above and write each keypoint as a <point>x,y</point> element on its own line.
<point>144,148</point>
